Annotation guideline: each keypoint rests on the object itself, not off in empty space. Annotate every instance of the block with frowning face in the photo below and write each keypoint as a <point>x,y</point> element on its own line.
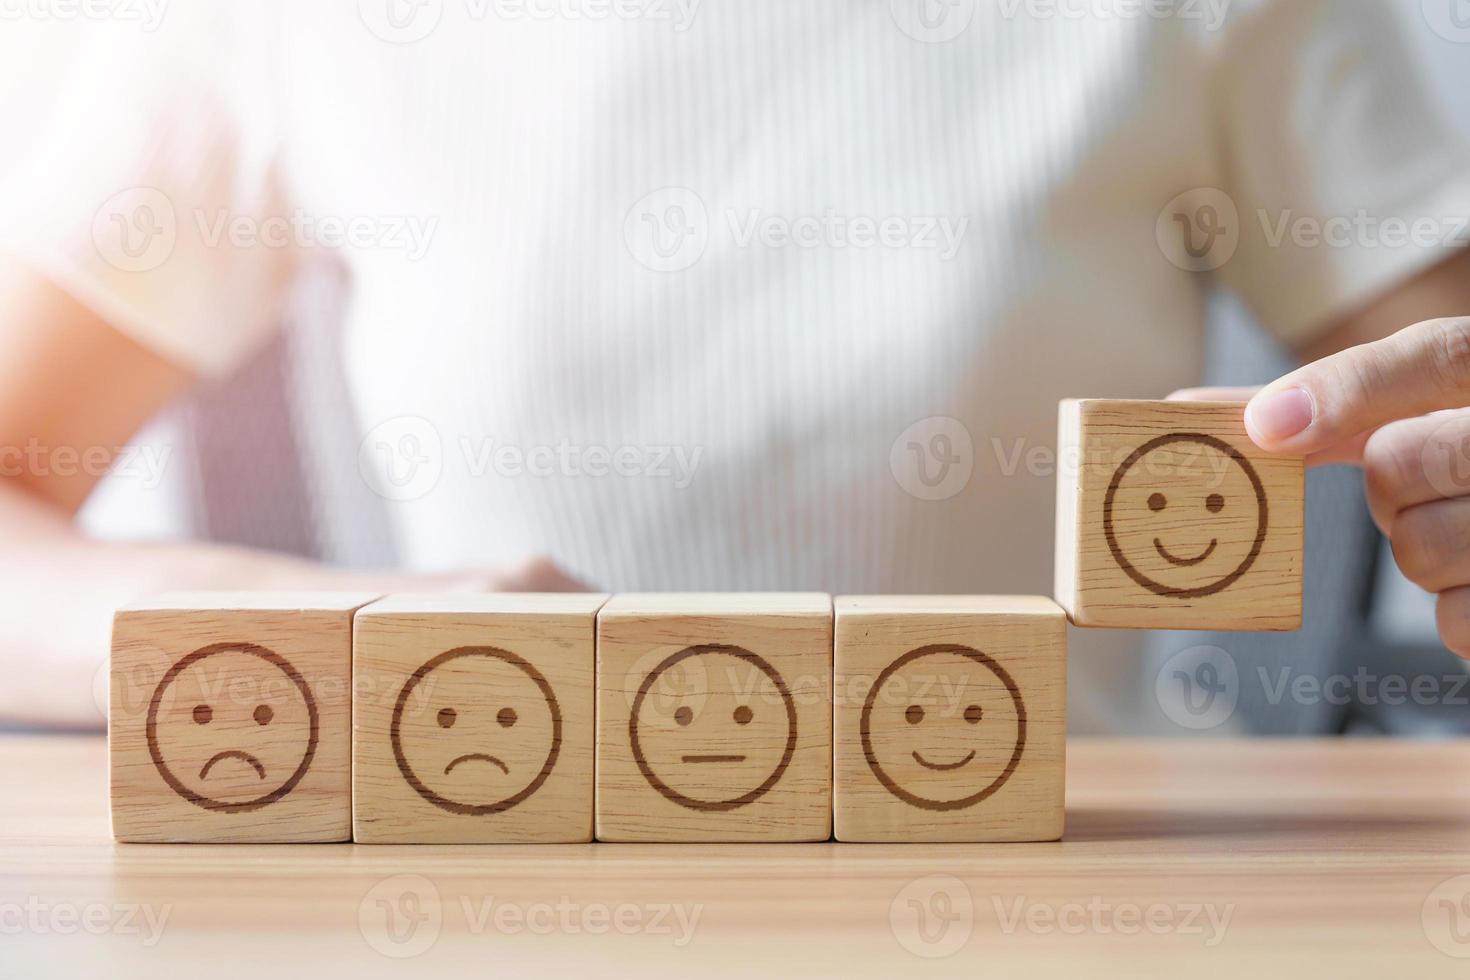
<point>229,717</point>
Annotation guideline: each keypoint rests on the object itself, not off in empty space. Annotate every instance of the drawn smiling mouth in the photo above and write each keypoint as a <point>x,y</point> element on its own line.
<point>481,756</point>
<point>1186,562</point>
<point>943,766</point>
<point>245,757</point>
<point>714,758</point>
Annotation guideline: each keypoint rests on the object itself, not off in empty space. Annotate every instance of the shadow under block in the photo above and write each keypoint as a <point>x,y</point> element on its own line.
<point>1169,517</point>
<point>714,717</point>
<point>229,717</point>
<point>949,718</point>
<point>473,719</point>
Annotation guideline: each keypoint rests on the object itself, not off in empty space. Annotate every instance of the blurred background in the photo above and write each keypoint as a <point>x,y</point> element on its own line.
<point>268,454</point>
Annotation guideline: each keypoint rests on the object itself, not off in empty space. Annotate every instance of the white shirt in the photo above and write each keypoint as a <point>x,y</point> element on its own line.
<point>748,294</point>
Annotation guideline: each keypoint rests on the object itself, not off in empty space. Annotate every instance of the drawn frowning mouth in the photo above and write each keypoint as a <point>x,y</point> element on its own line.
<point>943,766</point>
<point>714,758</point>
<point>481,756</point>
<point>1185,562</point>
<point>245,757</point>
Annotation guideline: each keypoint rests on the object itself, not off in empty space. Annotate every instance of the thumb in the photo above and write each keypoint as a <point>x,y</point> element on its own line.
<point>1328,403</point>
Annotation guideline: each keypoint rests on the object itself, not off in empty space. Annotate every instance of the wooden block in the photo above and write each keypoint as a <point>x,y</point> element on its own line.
<point>229,717</point>
<point>949,718</point>
<point>473,718</point>
<point>1169,517</point>
<point>714,718</point>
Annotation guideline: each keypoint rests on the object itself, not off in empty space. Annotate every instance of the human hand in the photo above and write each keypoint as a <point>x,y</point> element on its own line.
<point>1398,408</point>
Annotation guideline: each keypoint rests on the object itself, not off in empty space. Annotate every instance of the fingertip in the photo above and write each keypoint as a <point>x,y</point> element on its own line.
<point>1280,419</point>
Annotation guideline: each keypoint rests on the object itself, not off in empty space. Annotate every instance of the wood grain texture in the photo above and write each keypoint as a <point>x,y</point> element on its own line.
<point>1328,856</point>
<point>229,717</point>
<point>1169,517</point>
<point>949,718</point>
<point>473,718</point>
<point>714,718</point>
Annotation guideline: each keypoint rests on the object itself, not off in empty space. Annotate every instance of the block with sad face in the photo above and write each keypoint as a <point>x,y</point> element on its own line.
<point>473,719</point>
<point>714,718</point>
<point>1169,517</point>
<point>229,717</point>
<point>949,718</point>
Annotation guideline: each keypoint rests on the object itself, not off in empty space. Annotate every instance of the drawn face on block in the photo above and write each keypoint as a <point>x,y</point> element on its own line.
<point>232,727</point>
<point>476,730</point>
<point>943,727</point>
<point>713,727</point>
<point>1185,515</point>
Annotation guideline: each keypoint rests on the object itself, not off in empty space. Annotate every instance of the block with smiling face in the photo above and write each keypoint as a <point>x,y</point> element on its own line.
<point>1169,517</point>
<point>949,718</point>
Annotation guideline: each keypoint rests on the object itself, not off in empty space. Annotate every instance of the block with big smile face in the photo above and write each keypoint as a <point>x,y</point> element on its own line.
<point>713,717</point>
<point>473,719</point>
<point>229,717</point>
<point>949,718</point>
<point>1168,516</point>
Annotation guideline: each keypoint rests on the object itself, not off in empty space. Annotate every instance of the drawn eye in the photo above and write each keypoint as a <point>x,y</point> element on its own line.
<point>506,717</point>
<point>684,715</point>
<point>202,714</point>
<point>447,717</point>
<point>263,714</point>
<point>1157,501</point>
<point>973,713</point>
<point>743,715</point>
<point>914,715</point>
<point>1214,503</point>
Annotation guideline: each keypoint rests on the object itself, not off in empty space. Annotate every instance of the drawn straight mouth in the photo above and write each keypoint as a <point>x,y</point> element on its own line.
<point>714,758</point>
<point>483,757</point>
<point>943,766</point>
<point>1186,562</point>
<point>233,754</point>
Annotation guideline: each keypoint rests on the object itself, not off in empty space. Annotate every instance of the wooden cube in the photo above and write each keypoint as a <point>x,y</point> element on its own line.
<point>473,718</point>
<point>949,718</point>
<point>1169,517</point>
<point>229,717</point>
<point>714,718</point>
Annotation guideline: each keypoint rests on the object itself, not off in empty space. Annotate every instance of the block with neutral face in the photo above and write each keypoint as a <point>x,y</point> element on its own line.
<point>229,717</point>
<point>473,719</point>
<point>949,718</point>
<point>1169,517</point>
<point>714,718</point>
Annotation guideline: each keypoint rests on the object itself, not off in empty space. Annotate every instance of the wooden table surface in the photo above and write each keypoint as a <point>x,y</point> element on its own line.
<point>1219,858</point>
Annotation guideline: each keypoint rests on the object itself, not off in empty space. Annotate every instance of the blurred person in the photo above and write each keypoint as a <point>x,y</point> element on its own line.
<point>783,295</point>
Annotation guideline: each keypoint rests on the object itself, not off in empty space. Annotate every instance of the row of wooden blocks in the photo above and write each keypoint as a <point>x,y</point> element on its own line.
<point>687,717</point>
<point>558,718</point>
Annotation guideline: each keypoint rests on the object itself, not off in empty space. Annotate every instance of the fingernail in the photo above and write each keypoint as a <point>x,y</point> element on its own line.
<point>1281,414</point>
